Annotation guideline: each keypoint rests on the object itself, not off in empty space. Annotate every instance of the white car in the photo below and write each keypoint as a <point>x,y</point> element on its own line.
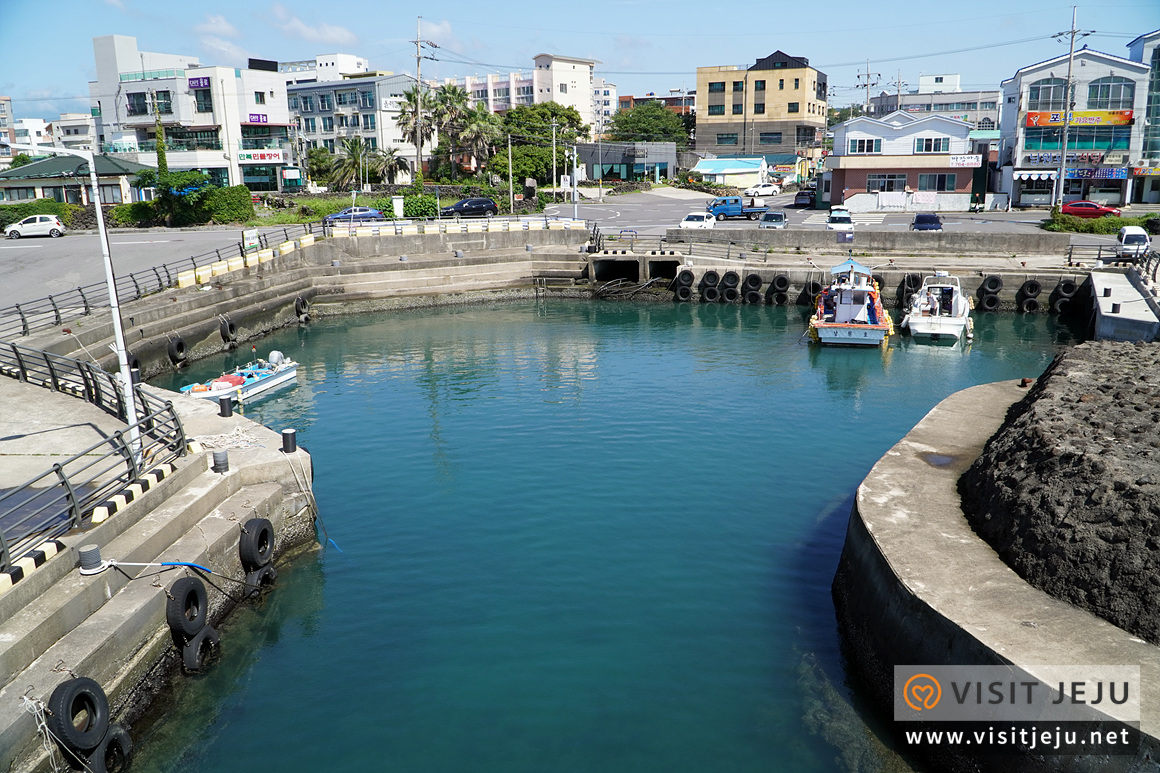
<point>36,225</point>
<point>697,220</point>
<point>763,189</point>
<point>839,220</point>
<point>772,219</point>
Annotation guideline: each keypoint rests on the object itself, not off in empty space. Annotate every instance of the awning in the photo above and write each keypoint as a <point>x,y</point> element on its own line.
<point>1035,175</point>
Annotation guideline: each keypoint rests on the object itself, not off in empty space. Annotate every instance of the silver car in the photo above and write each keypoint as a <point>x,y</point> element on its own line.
<point>772,219</point>
<point>36,225</point>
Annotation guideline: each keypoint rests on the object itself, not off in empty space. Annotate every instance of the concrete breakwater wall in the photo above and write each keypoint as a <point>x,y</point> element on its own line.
<point>944,244</point>
<point>916,586</point>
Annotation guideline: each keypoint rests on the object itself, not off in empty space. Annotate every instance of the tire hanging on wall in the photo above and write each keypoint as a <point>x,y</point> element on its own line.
<point>1066,288</point>
<point>685,278</point>
<point>259,580</point>
<point>1029,305</point>
<point>176,349</point>
<point>879,280</point>
<point>256,543</point>
<point>813,288</point>
<point>197,649</point>
<point>989,302</point>
<point>1061,305</point>
<point>114,753</point>
<point>730,295</point>
<point>1031,288</point>
<point>752,282</point>
<point>993,284</point>
<point>186,606</point>
<point>730,279</point>
<point>780,283</point>
<point>228,329</point>
<point>78,714</point>
<point>710,294</point>
<point>779,299</point>
<point>683,293</point>
<point>912,282</point>
<point>301,306</point>
<point>710,279</point>
<point>754,297</point>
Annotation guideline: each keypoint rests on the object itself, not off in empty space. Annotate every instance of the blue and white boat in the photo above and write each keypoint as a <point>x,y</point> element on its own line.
<point>247,381</point>
<point>940,310</point>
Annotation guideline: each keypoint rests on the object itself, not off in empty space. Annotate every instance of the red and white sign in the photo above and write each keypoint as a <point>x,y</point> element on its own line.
<point>261,157</point>
<point>968,161</point>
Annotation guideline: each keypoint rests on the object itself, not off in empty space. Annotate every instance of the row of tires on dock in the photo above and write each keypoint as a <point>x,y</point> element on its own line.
<point>77,713</point>
<point>729,287</point>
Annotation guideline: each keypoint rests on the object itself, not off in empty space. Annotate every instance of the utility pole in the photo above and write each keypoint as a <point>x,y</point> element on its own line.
<point>511,190</point>
<point>869,81</point>
<point>575,171</point>
<point>418,103</point>
<point>1068,104</point>
<point>553,157</point>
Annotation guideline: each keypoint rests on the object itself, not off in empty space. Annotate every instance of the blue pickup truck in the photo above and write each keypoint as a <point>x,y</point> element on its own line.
<point>735,206</point>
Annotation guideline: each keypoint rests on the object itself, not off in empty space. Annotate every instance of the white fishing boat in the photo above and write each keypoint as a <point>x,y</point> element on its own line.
<point>939,310</point>
<point>247,381</point>
<point>849,312</point>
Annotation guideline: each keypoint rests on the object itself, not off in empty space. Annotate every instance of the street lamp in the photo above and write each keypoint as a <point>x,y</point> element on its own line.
<point>110,281</point>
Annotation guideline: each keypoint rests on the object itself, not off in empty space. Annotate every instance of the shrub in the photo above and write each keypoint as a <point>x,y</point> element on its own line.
<point>1090,225</point>
<point>420,206</point>
<point>132,215</point>
<point>227,205</point>
<point>11,213</point>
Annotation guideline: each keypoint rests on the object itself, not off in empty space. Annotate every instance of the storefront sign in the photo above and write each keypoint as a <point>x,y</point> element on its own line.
<point>785,168</point>
<point>261,157</point>
<point>291,173</point>
<point>1103,173</point>
<point>1144,171</point>
<point>1072,158</point>
<point>1081,118</point>
<point>967,161</point>
<point>199,83</point>
<point>257,118</point>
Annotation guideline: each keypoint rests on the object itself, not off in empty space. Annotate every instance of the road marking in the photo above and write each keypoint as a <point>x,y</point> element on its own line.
<point>146,241</point>
<point>20,246</point>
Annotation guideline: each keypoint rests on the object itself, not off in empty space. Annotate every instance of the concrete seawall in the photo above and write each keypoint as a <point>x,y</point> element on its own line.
<point>946,244</point>
<point>916,586</point>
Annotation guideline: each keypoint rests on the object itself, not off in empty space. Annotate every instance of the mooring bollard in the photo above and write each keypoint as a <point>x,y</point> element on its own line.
<point>225,406</point>
<point>221,461</point>
<point>289,441</point>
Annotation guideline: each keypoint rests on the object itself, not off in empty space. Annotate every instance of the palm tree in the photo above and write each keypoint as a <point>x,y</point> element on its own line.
<point>392,164</point>
<point>481,132</point>
<point>356,163</point>
<point>452,106</point>
<point>415,114</point>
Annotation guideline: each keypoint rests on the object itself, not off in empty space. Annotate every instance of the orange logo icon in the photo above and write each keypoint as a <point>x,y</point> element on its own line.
<point>922,691</point>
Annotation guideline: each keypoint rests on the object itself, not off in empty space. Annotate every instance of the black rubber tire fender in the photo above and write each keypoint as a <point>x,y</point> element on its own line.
<point>683,293</point>
<point>911,282</point>
<point>256,543</point>
<point>114,753</point>
<point>259,580</point>
<point>780,299</point>
<point>685,278</point>
<point>813,288</point>
<point>989,302</point>
<point>730,279</point>
<point>993,284</point>
<point>754,297</point>
<point>301,306</point>
<point>186,606</point>
<point>710,278</point>
<point>134,362</point>
<point>780,283</point>
<point>1066,288</point>
<point>1029,305</point>
<point>730,295</point>
<point>78,714</point>
<point>1061,305</point>
<point>228,329</point>
<point>752,282</point>
<point>176,349</point>
<point>197,649</point>
<point>1031,288</point>
<point>710,294</point>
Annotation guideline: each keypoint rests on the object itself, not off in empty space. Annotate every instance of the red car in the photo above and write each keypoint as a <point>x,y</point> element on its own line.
<point>1089,209</point>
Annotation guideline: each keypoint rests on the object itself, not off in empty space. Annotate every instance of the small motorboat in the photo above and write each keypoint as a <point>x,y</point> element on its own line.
<point>849,312</point>
<point>247,381</point>
<point>939,310</point>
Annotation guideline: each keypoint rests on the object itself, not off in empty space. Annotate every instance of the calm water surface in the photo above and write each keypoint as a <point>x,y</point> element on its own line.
<point>571,537</point>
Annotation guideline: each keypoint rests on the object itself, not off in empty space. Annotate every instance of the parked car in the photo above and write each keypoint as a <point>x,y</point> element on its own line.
<point>478,207</point>
<point>763,189</point>
<point>36,225</point>
<point>353,215</point>
<point>1132,242</point>
<point>839,220</point>
<point>803,199</point>
<point>928,222</point>
<point>697,220</point>
<point>772,219</point>
<point>735,206</point>
<point>1088,209</point>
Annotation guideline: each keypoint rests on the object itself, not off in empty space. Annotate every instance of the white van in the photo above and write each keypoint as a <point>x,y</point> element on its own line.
<point>1132,242</point>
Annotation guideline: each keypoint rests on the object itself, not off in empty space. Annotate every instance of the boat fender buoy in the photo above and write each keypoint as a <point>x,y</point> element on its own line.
<point>710,279</point>
<point>813,289</point>
<point>1029,305</point>
<point>256,543</point>
<point>730,279</point>
<point>228,330</point>
<point>752,282</point>
<point>186,607</point>
<point>780,283</point>
<point>78,714</point>
<point>683,293</point>
<point>730,295</point>
<point>993,284</point>
<point>989,302</point>
<point>176,349</point>
<point>301,306</point>
<point>114,753</point>
<point>710,294</point>
<point>685,278</point>
<point>1066,288</point>
<point>1061,305</point>
<point>197,650</point>
<point>259,580</point>
<point>1031,288</point>
<point>780,299</point>
<point>754,298</point>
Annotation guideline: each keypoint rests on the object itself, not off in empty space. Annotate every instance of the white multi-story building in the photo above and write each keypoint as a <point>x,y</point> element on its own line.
<point>7,129</point>
<point>73,130</point>
<point>232,124</point>
<point>33,131</point>
<point>323,69</point>
<point>605,103</point>
<point>942,95</point>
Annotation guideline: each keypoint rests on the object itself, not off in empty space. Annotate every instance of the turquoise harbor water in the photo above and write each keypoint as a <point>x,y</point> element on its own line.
<point>574,537</point>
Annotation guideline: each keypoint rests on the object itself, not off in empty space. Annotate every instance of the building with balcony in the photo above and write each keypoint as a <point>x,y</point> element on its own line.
<point>1103,134</point>
<point>232,124</point>
<point>33,131</point>
<point>604,105</point>
<point>7,129</point>
<point>1146,168</point>
<point>323,68</point>
<point>676,101</point>
<point>942,95</point>
<point>778,105</point>
<point>73,130</point>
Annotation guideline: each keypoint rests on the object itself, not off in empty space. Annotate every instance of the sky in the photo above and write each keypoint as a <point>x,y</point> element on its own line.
<point>46,53</point>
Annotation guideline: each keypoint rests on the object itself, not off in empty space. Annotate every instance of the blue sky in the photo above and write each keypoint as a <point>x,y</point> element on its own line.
<point>46,54</point>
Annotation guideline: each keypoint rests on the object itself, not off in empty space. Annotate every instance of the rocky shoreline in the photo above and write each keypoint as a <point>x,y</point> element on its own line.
<point>1067,492</point>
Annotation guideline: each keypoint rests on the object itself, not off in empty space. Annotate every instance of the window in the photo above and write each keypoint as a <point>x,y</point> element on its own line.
<point>806,135</point>
<point>758,108</point>
<point>563,88</point>
<point>1046,95</point>
<point>307,103</point>
<point>885,182</point>
<point>791,107</point>
<point>325,102</point>
<point>759,85</point>
<point>936,182</point>
<point>345,98</point>
<point>291,102</point>
<point>164,102</point>
<point>479,94</point>
<point>717,87</point>
<point>137,104</point>
<point>769,138</point>
<point>19,194</point>
<point>738,109</point>
<point>716,109</point>
<point>259,97</point>
<point>781,84</point>
<point>932,145</point>
<point>327,123</point>
<point>986,124</point>
<point>938,79</point>
<point>368,120</point>
<point>372,142</point>
<point>505,92</point>
<point>865,146</point>
<point>727,139</point>
<point>110,194</point>
<point>1111,93</point>
<point>329,145</point>
<point>310,124</point>
<point>796,82</point>
<point>988,105</point>
<point>366,99</point>
<point>1042,138</point>
<point>739,85</point>
<point>341,120</point>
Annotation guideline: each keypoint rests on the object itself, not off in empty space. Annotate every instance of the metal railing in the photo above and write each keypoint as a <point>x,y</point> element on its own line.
<point>24,319</point>
<point>63,374</point>
<point>57,500</point>
<point>643,244</point>
<point>431,225</point>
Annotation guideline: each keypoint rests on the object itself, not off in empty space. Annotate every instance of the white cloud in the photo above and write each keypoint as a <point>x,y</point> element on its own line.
<point>118,4</point>
<point>442,35</point>
<point>223,52</point>
<point>216,26</point>
<point>320,32</point>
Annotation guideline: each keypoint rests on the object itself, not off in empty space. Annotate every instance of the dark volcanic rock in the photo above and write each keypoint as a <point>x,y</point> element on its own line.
<point>1068,490</point>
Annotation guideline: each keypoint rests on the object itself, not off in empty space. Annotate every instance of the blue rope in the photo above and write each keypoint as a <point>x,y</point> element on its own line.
<point>186,563</point>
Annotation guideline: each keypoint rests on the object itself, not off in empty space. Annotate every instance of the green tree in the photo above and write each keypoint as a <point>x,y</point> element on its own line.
<point>392,164</point>
<point>533,123</point>
<point>356,163</point>
<point>840,114</point>
<point>178,194</point>
<point>527,161</point>
<point>416,121</point>
<point>318,163</point>
<point>482,131</point>
<point>20,159</point>
<point>452,108</point>
<point>648,122</point>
